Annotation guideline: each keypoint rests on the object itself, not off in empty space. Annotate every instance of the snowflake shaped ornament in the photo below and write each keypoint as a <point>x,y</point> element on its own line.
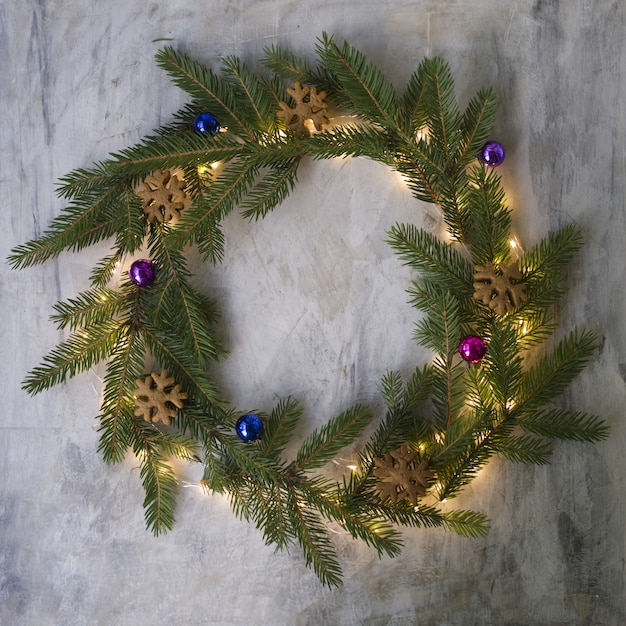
<point>163,195</point>
<point>158,397</point>
<point>310,105</point>
<point>400,477</point>
<point>501,290</point>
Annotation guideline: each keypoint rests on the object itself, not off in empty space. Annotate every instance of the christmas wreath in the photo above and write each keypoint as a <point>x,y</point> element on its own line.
<point>484,308</point>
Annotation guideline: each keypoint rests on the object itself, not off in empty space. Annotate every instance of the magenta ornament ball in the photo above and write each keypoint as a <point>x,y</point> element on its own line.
<point>492,154</point>
<point>142,272</point>
<point>472,349</point>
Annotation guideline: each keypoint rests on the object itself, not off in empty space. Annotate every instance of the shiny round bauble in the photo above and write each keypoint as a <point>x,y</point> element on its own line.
<point>142,272</point>
<point>472,349</point>
<point>249,427</point>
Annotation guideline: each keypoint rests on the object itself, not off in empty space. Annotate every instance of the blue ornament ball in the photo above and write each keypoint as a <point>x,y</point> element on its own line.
<point>249,427</point>
<point>492,154</point>
<point>206,124</point>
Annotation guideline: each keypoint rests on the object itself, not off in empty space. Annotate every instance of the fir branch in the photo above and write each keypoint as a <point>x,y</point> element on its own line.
<point>84,349</point>
<point>273,188</point>
<point>129,227</point>
<point>216,476</point>
<point>365,92</point>
<point>279,427</point>
<point>103,270</point>
<point>322,445</point>
<point>86,222</point>
<point>177,305</point>
<point>81,182</point>
<point>549,377</point>
<point>398,425</point>
<point>276,91</point>
<point>477,123</point>
<point>118,402</point>
<point>466,523</point>
<point>349,141</point>
<point>248,461</point>
<point>374,530</point>
<point>432,258</point>
<point>314,539</point>
<point>441,329</point>
<point>552,253</point>
<point>393,390</point>
<point>182,150</point>
<point>468,444</point>
<point>251,98</point>
<point>565,424</point>
<point>449,391</point>
<point>526,449</point>
<point>423,170</point>
<point>503,364</point>
<point>412,101</point>
<point>171,352</point>
<point>289,66</point>
<point>90,308</point>
<point>206,87</point>
<point>443,117</point>
<point>157,475</point>
<point>223,195</point>
<point>487,228</point>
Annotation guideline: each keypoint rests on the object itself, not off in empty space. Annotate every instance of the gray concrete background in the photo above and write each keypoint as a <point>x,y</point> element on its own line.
<point>316,308</point>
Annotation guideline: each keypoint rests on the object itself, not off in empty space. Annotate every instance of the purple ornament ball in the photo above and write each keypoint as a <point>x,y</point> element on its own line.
<point>492,154</point>
<point>472,349</point>
<point>142,272</point>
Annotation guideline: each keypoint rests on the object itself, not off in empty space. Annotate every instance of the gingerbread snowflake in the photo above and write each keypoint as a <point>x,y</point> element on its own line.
<point>310,105</point>
<point>501,289</point>
<point>401,476</point>
<point>158,397</point>
<point>163,195</point>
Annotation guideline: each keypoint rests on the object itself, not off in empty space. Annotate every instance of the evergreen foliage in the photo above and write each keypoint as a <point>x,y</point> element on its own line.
<point>454,415</point>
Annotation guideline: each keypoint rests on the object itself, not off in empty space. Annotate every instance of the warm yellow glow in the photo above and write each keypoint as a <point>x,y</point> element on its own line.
<point>352,467</point>
<point>422,134</point>
<point>103,298</point>
<point>510,405</point>
<point>513,243</point>
<point>204,169</point>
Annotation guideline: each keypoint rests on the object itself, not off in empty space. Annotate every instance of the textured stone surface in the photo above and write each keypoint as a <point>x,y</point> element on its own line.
<point>315,303</point>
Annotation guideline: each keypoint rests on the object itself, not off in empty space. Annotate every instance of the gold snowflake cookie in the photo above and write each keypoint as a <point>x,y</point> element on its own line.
<point>163,195</point>
<point>502,289</point>
<point>310,105</point>
<point>400,476</point>
<point>157,397</point>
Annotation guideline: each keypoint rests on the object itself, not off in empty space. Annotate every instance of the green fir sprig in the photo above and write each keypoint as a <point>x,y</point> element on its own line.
<point>453,416</point>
